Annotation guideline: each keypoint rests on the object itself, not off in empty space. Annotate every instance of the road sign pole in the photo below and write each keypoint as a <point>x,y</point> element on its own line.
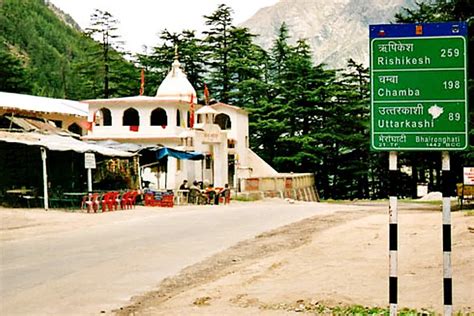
<point>45,178</point>
<point>447,271</point>
<point>89,179</point>
<point>89,164</point>
<point>393,234</point>
<point>418,77</point>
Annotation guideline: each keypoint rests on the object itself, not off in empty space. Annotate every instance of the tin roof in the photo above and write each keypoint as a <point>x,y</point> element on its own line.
<point>29,103</point>
<point>59,143</point>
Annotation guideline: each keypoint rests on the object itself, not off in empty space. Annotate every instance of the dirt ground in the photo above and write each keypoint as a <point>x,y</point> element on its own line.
<point>328,260</point>
<point>332,260</point>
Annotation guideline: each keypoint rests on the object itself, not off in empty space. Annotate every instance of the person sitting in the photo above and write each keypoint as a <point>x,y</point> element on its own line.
<point>184,188</point>
<point>225,194</point>
<point>184,185</point>
<point>194,196</point>
<point>212,195</point>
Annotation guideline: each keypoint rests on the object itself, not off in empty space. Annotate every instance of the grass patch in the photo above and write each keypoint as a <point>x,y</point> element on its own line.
<point>245,198</point>
<point>335,201</point>
<point>332,201</point>
<point>430,202</point>
<point>469,213</point>
<point>311,307</point>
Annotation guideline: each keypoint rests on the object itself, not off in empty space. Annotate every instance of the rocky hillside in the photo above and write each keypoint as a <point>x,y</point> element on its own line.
<point>66,18</point>
<point>336,29</point>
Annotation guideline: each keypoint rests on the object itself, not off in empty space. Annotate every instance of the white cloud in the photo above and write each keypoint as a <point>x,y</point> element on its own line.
<point>142,20</point>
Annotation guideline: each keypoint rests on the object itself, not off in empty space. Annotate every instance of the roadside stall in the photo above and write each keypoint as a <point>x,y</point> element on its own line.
<point>43,166</point>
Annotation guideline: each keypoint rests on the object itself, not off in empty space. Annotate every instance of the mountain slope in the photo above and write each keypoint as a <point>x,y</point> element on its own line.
<point>34,34</point>
<point>66,18</point>
<point>336,30</point>
<point>46,49</point>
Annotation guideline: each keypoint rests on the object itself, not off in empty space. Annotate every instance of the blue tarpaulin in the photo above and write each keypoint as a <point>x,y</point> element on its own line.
<point>178,154</point>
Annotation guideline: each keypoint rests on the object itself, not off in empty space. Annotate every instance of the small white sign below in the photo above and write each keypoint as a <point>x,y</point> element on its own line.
<point>89,161</point>
<point>468,173</point>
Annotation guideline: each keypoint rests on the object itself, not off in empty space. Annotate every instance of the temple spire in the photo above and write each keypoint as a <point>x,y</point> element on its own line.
<point>175,66</point>
<point>176,86</point>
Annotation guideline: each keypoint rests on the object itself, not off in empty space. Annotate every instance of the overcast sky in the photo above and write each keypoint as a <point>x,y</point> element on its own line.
<point>141,20</point>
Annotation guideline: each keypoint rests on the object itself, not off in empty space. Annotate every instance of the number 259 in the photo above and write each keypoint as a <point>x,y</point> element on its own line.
<point>449,52</point>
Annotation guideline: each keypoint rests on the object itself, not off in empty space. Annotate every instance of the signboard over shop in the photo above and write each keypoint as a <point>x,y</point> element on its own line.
<point>419,86</point>
<point>89,161</point>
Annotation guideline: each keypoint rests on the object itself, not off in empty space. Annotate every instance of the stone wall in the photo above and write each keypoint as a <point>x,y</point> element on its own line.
<point>297,186</point>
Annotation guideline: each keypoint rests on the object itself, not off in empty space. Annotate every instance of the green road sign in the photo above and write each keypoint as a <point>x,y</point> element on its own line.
<point>419,87</point>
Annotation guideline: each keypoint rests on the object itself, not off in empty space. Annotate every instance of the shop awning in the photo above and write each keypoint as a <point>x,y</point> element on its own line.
<point>178,154</point>
<point>29,103</point>
<point>60,143</point>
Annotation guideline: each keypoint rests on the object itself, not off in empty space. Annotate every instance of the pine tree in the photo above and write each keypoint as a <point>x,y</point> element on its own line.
<point>352,99</point>
<point>247,66</point>
<point>103,29</point>
<point>190,53</point>
<point>217,42</point>
<point>442,11</point>
<point>186,46</point>
<point>13,75</point>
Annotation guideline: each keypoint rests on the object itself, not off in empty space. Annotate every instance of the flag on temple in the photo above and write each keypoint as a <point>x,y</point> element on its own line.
<point>206,94</point>
<point>90,126</point>
<point>191,111</point>
<point>86,125</point>
<point>133,128</point>
<point>142,82</point>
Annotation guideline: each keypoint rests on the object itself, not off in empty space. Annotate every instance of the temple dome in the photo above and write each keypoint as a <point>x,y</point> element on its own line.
<point>176,86</point>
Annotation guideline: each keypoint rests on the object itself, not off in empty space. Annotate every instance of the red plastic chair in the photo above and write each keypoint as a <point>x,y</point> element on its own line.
<point>92,201</point>
<point>84,205</point>
<point>124,202</point>
<point>115,200</point>
<point>133,198</point>
<point>107,202</point>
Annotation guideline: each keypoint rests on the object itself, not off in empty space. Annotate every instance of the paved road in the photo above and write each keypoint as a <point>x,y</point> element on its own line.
<point>86,271</point>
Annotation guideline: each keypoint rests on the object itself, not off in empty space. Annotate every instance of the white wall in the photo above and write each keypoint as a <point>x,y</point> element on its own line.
<point>247,162</point>
<point>117,130</point>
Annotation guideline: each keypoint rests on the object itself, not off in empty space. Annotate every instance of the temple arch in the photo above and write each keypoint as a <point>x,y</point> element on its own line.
<point>178,117</point>
<point>131,117</point>
<point>158,117</point>
<point>223,120</point>
<point>103,117</point>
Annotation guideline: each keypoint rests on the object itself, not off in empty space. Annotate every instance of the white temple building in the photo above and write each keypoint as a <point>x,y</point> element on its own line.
<point>173,119</point>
